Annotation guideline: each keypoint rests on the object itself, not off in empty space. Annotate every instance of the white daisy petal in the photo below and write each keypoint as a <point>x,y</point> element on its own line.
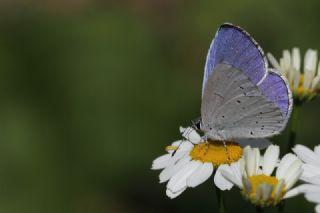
<point>172,195</point>
<point>256,153</point>
<point>310,171</point>
<point>303,188</point>
<point>284,165</point>
<point>310,60</point>
<point>185,146</point>
<point>182,129</point>
<point>191,135</point>
<point>296,58</point>
<point>274,62</point>
<point>294,170</point>
<point>249,157</point>
<point>236,168</point>
<point>259,192</point>
<point>283,66</point>
<point>292,193</point>
<point>293,179</point>
<point>179,180</point>
<point>168,172</point>
<point>296,79</point>
<point>313,180</point>
<point>220,181</point>
<point>201,174</point>
<point>278,189</point>
<point>267,190</point>
<point>317,150</point>
<point>270,159</point>
<point>232,175</point>
<point>162,162</point>
<point>310,63</point>
<point>306,154</point>
<point>287,59</point>
<point>246,185</point>
<point>313,197</point>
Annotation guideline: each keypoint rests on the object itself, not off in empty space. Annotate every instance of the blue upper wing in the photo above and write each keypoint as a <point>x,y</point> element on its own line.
<point>235,47</point>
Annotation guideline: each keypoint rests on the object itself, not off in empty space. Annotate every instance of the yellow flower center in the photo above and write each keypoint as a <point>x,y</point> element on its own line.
<point>216,152</point>
<point>302,92</point>
<point>255,181</point>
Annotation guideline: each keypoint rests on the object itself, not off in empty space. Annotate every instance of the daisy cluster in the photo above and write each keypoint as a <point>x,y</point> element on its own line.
<point>263,179</point>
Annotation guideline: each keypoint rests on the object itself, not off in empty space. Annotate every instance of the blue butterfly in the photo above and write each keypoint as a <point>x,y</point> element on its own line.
<point>241,96</point>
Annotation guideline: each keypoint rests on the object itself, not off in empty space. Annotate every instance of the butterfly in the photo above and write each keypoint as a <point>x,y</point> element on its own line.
<point>241,97</point>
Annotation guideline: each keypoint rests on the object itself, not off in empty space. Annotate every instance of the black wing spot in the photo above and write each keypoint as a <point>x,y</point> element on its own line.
<point>251,133</point>
<point>257,122</point>
<point>222,116</point>
<point>241,87</point>
<point>238,101</point>
<point>260,113</point>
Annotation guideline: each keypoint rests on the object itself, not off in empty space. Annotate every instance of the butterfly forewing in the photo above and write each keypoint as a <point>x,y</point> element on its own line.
<point>233,46</point>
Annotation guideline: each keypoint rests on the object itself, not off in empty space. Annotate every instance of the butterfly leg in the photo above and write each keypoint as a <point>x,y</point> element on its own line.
<point>226,149</point>
<point>205,139</point>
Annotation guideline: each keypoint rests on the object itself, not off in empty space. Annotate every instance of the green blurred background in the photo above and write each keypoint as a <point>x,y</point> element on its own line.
<point>92,91</point>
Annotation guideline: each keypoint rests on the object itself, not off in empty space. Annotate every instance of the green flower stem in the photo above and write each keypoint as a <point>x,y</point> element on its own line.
<point>220,199</point>
<point>293,127</point>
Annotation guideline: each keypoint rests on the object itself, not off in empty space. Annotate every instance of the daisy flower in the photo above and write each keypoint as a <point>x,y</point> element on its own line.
<point>258,181</point>
<point>191,161</point>
<point>304,83</point>
<point>311,174</point>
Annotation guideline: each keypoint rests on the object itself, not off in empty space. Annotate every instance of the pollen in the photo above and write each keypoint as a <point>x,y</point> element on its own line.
<point>216,152</point>
<point>256,181</point>
<point>171,148</point>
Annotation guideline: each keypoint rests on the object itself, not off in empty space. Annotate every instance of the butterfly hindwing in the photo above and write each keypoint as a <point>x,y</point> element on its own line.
<point>234,107</point>
<point>276,89</point>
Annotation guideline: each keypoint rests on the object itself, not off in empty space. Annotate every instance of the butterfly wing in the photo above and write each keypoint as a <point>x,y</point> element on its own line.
<point>234,107</point>
<point>233,46</point>
<point>276,88</point>
<point>240,98</point>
